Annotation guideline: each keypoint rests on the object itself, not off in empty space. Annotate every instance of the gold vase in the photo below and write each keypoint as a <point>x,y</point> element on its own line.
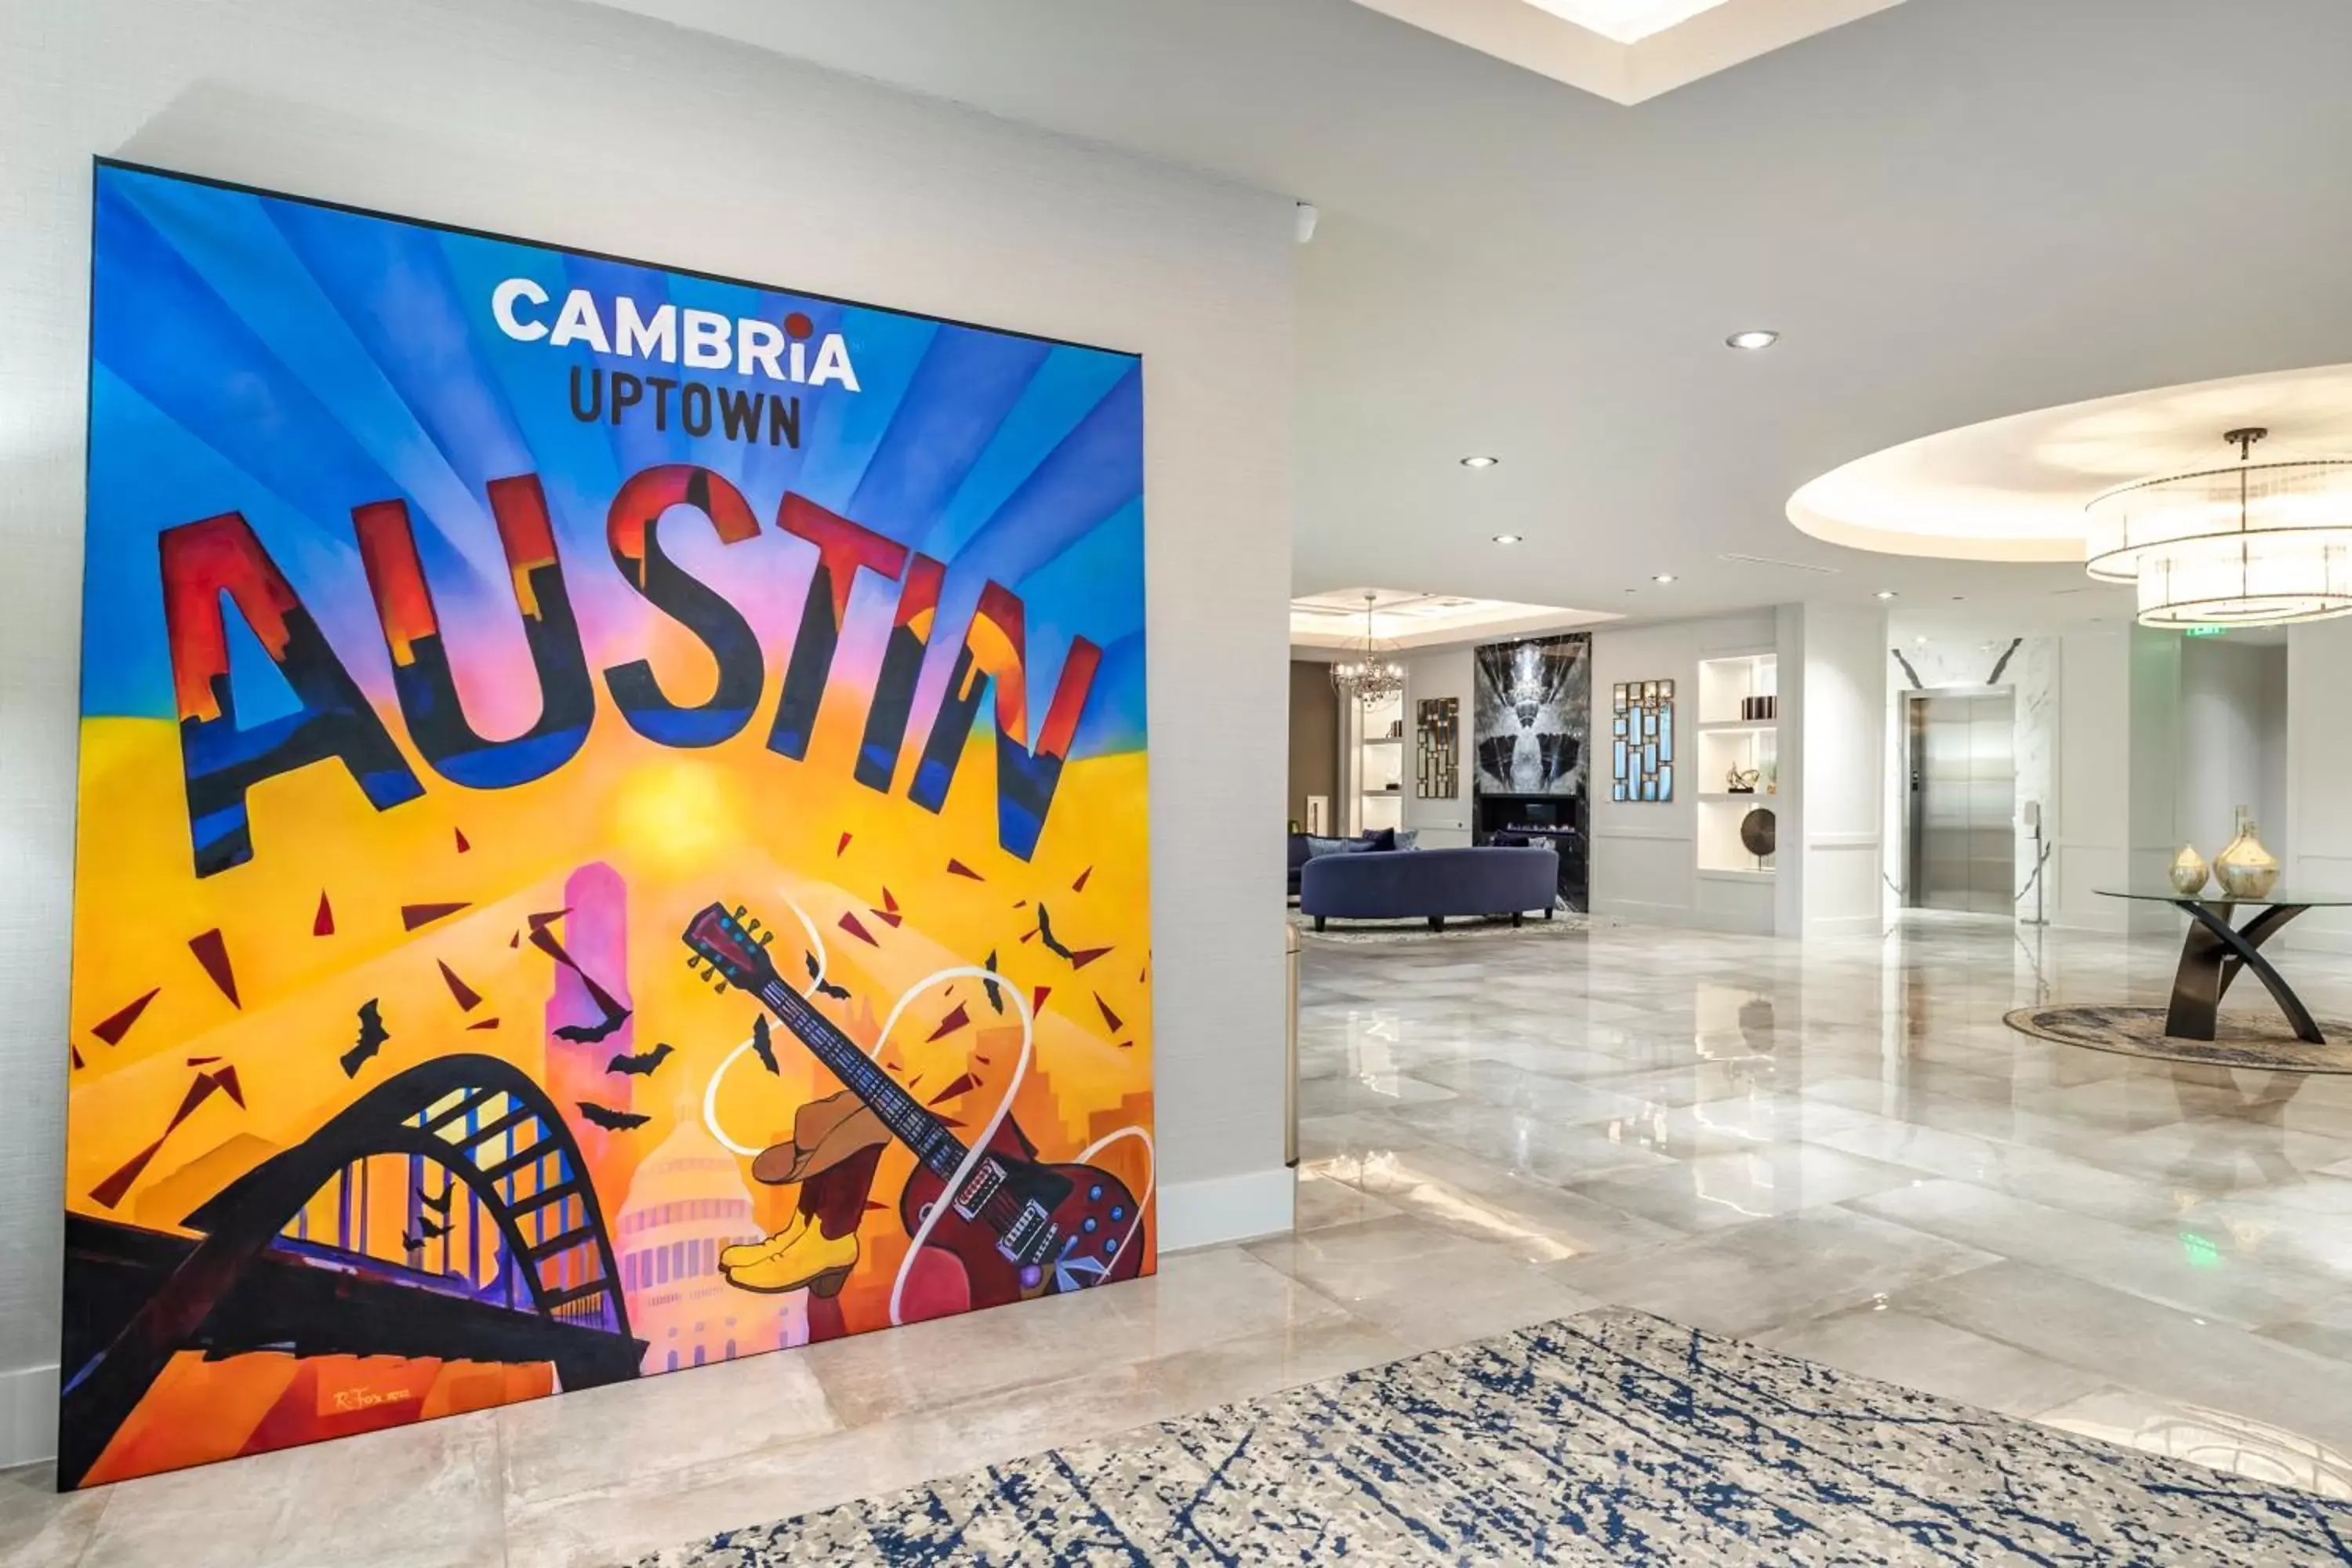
<point>2246,870</point>
<point>2189,872</point>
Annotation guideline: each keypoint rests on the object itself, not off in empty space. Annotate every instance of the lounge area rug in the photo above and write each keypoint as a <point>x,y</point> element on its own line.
<point>2242,1040</point>
<point>1563,922</point>
<point>1608,1438</point>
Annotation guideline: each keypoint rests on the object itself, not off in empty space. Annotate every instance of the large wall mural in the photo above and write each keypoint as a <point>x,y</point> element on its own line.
<point>612,825</point>
<point>1534,718</point>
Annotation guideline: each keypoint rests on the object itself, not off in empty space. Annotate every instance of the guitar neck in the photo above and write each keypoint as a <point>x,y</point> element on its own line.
<point>907,1121</point>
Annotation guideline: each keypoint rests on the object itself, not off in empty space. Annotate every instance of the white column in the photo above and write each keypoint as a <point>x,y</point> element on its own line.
<point>1442,823</point>
<point>1840,729</point>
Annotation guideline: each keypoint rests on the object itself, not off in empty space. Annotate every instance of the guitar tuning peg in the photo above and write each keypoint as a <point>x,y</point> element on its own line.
<point>722,989</point>
<point>708,975</point>
<point>694,961</point>
<point>767,936</point>
<point>753,924</point>
<point>739,911</point>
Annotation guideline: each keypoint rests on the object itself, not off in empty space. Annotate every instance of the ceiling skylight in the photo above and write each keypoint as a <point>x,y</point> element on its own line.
<point>1626,51</point>
<point>1626,21</point>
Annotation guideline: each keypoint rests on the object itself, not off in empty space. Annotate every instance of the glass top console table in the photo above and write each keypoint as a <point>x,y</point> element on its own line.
<point>2217,949</point>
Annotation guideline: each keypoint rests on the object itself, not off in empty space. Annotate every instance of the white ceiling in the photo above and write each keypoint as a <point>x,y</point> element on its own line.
<point>1410,620</point>
<point>1953,209</point>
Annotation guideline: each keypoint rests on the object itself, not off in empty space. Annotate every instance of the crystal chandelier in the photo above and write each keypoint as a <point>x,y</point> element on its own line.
<point>2250,545</point>
<point>1370,674</point>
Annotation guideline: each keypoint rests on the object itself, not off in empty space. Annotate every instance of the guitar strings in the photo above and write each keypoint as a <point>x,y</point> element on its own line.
<point>710,1091</point>
<point>979,1150</point>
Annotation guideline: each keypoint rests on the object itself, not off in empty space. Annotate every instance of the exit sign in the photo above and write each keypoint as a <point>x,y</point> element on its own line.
<point>2206,632</point>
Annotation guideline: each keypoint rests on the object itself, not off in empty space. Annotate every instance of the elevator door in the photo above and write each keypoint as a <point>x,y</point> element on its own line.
<point>1963,804</point>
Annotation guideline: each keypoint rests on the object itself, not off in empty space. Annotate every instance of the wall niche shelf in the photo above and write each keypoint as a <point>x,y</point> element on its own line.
<point>1739,728</point>
<point>1379,766</point>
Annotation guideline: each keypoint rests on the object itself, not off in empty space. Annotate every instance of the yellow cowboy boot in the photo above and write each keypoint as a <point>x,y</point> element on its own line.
<point>798,1256</point>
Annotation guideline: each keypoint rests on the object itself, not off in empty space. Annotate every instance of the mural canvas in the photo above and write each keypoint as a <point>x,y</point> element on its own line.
<point>612,825</point>
<point>1533,715</point>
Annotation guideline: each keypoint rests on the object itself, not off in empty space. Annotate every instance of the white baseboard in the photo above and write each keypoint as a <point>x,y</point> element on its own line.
<point>28,1415</point>
<point>1846,925</point>
<point>1226,1208</point>
<point>1643,911</point>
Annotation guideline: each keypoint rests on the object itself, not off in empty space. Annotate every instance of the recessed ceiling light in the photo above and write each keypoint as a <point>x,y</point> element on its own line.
<point>1506,537</point>
<point>1919,642</point>
<point>1480,462</point>
<point>1754,338</point>
<point>1886,593</point>
<point>1663,577</point>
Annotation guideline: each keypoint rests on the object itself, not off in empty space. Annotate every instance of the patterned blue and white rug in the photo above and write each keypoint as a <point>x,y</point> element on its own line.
<point>1610,1437</point>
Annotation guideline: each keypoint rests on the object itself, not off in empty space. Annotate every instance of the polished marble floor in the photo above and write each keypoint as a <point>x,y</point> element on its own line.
<point>1835,1149</point>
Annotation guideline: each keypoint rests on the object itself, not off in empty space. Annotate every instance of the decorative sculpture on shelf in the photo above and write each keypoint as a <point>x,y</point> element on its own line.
<point>1743,781</point>
<point>2189,872</point>
<point>1759,832</point>
<point>2246,870</point>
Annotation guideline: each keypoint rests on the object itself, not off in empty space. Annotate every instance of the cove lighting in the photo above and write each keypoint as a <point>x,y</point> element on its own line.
<point>1886,593</point>
<point>1507,538</point>
<point>1663,577</point>
<point>1480,462</point>
<point>1754,338</point>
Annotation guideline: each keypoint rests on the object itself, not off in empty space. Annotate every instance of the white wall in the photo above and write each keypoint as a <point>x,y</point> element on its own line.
<point>591,128</point>
<point>2155,738</point>
<point>1641,854</point>
<point>1439,674</point>
<point>2090,828</point>
<point>2318,819</point>
<point>1644,856</point>
<point>2232,741</point>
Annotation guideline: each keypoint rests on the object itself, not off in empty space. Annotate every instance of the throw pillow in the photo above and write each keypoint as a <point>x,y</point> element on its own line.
<point>1408,839</point>
<point>1318,846</point>
<point>1385,839</point>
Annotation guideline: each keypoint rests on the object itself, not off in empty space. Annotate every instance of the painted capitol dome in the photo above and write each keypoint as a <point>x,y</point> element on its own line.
<point>686,1204</point>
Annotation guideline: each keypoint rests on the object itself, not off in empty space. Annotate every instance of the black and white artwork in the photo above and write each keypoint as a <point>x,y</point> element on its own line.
<point>1533,703</point>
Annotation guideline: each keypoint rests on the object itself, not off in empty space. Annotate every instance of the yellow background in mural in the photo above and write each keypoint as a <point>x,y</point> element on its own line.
<point>683,829</point>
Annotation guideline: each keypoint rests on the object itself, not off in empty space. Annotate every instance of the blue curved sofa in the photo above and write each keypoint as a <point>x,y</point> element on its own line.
<point>1429,884</point>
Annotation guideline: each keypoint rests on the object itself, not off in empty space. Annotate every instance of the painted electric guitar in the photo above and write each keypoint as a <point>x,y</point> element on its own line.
<point>1019,1228</point>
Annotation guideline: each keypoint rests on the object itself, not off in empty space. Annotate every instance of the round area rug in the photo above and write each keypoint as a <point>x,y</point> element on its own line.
<point>1563,922</point>
<point>2243,1042</point>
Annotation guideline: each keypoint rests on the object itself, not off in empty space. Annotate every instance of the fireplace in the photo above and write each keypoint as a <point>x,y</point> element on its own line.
<point>1558,820</point>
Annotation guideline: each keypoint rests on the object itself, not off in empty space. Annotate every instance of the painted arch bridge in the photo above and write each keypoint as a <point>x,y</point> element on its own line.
<point>508,1261</point>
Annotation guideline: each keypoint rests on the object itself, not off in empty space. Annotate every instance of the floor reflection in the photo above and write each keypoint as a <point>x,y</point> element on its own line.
<point>1841,1147</point>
